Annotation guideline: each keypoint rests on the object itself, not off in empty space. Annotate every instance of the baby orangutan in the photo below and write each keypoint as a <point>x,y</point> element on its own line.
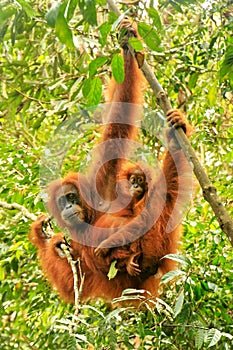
<point>149,237</point>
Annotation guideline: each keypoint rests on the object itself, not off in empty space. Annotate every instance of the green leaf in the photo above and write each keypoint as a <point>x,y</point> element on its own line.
<point>38,122</point>
<point>185,314</point>
<point>199,339</point>
<point>2,273</point>
<point>114,314</point>
<point>229,59</point>
<point>213,337</point>
<point>3,30</point>
<point>75,88</point>
<point>154,15</point>
<point>212,94</point>
<point>227,65</point>
<point>63,31</point>
<point>71,6</point>
<point>14,264</point>
<point>176,6</point>
<point>150,36</point>
<point>118,68</point>
<point>193,80</point>
<point>27,8</point>
<point>179,304</point>
<point>6,13</point>
<point>51,15</point>
<point>104,30</point>
<point>96,63</point>
<point>88,10</point>
<point>92,90</point>
<point>178,258</point>
<point>171,275</point>
<point>136,44</point>
<point>112,270</point>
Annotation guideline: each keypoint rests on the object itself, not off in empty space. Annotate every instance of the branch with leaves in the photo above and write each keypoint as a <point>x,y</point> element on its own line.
<point>209,191</point>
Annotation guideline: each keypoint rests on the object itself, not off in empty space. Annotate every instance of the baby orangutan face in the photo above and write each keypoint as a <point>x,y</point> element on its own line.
<point>138,184</point>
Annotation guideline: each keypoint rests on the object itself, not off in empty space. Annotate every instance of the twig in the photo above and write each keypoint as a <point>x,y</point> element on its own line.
<point>209,191</point>
<point>31,98</point>
<point>113,7</point>
<point>66,249</point>
<point>19,207</point>
<point>77,290</point>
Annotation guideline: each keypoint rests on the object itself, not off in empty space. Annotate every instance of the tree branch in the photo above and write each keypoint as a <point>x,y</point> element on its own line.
<point>12,206</point>
<point>65,247</point>
<point>209,191</point>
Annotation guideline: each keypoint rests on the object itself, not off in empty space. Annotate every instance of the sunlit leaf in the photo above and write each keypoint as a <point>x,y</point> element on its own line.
<point>112,270</point>
<point>154,15</point>
<point>71,6</point>
<point>213,336</point>
<point>212,94</point>
<point>2,273</point>
<point>178,258</point>
<point>119,19</point>
<point>199,338</point>
<point>118,68</point>
<point>167,307</point>
<point>179,304</point>
<point>51,15</point>
<point>88,10</point>
<point>5,14</point>
<point>136,44</point>
<point>150,36</point>
<point>63,31</point>
<point>97,63</point>
<point>30,11</point>
<point>193,80</point>
<point>104,30</point>
<point>171,275</point>
<point>92,90</point>
<point>114,313</point>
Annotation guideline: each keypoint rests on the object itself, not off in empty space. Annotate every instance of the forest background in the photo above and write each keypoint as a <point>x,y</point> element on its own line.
<point>55,59</point>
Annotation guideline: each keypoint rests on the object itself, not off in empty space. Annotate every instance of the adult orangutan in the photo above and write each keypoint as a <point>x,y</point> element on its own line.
<point>76,205</point>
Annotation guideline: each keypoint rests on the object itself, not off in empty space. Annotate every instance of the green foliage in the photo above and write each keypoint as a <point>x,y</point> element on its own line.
<point>92,91</point>
<point>63,31</point>
<point>54,61</point>
<point>118,68</point>
<point>150,36</point>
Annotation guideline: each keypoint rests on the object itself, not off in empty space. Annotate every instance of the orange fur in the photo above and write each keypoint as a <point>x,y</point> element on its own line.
<point>155,232</point>
<point>123,112</point>
<point>59,273</point>
<point>150,216</point>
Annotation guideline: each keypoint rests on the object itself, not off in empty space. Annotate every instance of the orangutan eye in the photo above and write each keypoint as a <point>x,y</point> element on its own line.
<point>132,179</point>
<point>140,180</point>
<point>71,197</point>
